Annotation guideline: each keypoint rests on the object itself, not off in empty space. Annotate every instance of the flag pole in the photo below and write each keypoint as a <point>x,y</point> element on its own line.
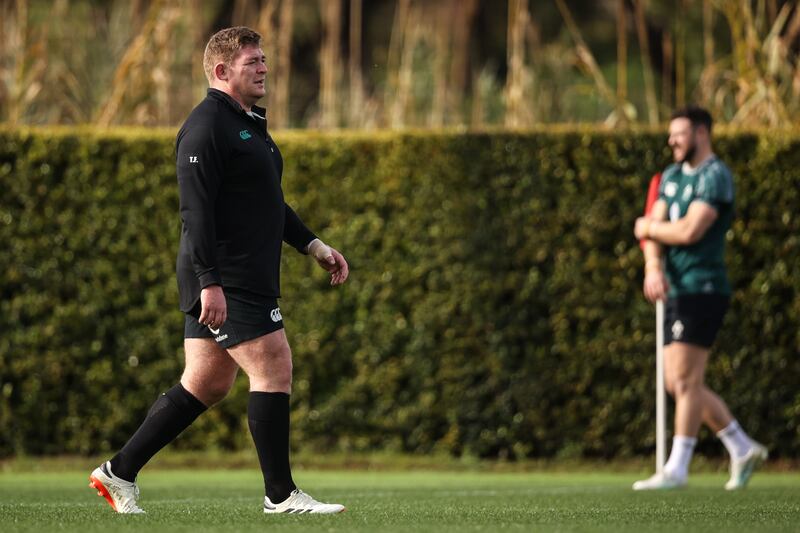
<point>661,396</point>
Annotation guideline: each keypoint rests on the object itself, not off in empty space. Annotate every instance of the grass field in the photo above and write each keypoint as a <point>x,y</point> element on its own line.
<point>220,500</point>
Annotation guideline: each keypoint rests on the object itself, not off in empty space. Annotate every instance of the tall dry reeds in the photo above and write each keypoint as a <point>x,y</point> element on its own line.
<point>140,62</point>
<point>622,53</point>
<point>761,83</point>
<point>709,68</point>
<point>647,64</point>
<point>275,23</point>
<point>20,66</point>
<point>356,115</point>
<point>623,111</point>
<point>680,54</point>
<point>330,63</point>
<point>141,91</point>
<point>517,111</point>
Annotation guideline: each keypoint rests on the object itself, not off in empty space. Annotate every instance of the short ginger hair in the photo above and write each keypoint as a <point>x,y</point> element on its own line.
<point>225,44</point>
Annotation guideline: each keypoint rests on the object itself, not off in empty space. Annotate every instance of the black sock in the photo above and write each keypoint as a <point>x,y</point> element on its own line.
<point>268,417</point>
<point>172,412</point>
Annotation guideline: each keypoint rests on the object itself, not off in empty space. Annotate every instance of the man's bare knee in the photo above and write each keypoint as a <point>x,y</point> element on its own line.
<point>267,361</point>
<point>276,374</point>
<point>282,378</point>
<point>208,393</point>
<point>215,396</point>
<point>685,368</point>
<point>207,389</point>
<point>686,385</point>
<point>210,371</point>
<point>669,385</point>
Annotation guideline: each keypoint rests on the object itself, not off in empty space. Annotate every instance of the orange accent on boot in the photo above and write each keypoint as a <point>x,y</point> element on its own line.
<point>102,491</point>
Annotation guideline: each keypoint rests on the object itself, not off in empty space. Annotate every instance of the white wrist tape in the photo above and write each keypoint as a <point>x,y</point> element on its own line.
<point>319,250</point>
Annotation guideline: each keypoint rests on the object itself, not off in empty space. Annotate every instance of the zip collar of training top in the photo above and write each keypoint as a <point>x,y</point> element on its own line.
<point>689,170</point>
<point>225,97</point>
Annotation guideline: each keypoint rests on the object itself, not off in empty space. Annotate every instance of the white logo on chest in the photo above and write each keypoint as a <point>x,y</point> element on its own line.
<point>670,189</point>
<point>674,212</point>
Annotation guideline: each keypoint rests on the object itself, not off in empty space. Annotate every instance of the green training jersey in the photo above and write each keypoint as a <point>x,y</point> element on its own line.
<point>699,268</point>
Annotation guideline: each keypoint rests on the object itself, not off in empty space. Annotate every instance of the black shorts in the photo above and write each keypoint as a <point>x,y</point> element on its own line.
<point>249,316</point>
<point>694,318</point>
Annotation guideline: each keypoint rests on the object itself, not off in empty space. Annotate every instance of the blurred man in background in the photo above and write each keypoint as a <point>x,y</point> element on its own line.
<point>234,221</point>
<point>684,263</point>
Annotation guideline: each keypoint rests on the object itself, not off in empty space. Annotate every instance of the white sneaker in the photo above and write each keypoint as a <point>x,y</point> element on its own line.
<point>299,502</point>
<point>120,494</point>
<point>742,469</point>
<point>662,481</point>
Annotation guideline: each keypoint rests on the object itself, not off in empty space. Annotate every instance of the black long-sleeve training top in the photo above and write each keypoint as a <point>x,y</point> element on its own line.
<point>231,202</point>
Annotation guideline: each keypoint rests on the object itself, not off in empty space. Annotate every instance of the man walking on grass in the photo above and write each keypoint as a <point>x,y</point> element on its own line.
<point>234,221</point>
<point>684,263</point>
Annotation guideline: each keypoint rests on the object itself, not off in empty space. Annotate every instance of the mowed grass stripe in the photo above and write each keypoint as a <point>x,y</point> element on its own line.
<point>405,501</point>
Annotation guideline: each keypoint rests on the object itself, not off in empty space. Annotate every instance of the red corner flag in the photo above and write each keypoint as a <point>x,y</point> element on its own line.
<point>652,196</point>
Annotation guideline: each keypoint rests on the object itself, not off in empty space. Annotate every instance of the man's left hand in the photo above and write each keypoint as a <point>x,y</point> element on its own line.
<point>331,260</point>
<point>642,227</point>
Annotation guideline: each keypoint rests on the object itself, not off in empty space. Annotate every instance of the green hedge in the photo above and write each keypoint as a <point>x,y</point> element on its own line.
<point>494,306</point>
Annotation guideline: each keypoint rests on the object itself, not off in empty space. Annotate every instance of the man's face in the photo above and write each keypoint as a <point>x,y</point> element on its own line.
<point>247,74</point>
<point>682,139</point>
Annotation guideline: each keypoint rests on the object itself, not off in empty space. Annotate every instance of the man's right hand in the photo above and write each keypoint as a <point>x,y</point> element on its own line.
<point>655,285</point>
<point>213,308</point>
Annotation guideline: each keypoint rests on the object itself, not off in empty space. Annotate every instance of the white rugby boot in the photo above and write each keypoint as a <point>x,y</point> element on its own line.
<point>121,495</point>
<point>661,481</point>
<point>742,469</point>
<point>299,502</point>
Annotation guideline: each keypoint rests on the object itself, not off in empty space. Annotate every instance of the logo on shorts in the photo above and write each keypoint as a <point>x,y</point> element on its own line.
<point>220,338</point>
<point>275,314</point>
<point>214,331</point>
<point>677,330</point>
